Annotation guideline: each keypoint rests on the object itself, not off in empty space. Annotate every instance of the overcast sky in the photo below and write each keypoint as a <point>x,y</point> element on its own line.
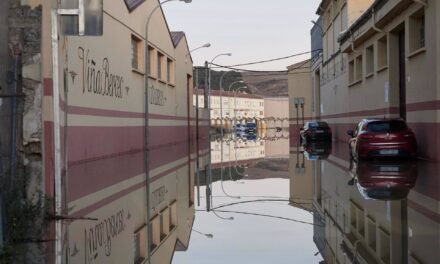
<point>252,30</point>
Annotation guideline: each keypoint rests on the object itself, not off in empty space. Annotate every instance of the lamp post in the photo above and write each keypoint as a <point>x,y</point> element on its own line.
<point>207,45</point>
<point>196,73</point>
<point>209,181</point>
<point>146,113</point>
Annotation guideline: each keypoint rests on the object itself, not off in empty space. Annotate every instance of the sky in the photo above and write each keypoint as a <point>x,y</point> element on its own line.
<point>252,30</point>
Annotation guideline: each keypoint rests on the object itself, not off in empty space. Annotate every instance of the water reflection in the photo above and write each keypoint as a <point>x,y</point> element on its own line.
<point>384,180</point>
<point>375,211</point>
<point>257,201</point>
<point>248,208</point>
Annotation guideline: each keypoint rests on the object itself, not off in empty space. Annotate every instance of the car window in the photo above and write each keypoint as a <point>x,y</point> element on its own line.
<point>387,126</point>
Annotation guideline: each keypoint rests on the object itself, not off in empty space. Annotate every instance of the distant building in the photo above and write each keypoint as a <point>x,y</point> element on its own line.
<point>240,106</point>
<point>276,110</point>
<point>301,100</point>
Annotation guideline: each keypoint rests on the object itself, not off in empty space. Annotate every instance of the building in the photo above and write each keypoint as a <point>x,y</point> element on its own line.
<point>111,162</point>
<point>386,51</point>
<point>236,106</point>
<point>276,110</point>
<point>300,98</point>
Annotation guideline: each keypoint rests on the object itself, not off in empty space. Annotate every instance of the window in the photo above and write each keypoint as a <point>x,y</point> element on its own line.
<point>160,65</point>
<point>369,54</point>
<point>173,216</point>
<point>136,53</point>
<point>170,71</point>
<point>382,52</point>
<point>371,233</point>
<point>358,68</point>
<point>164,223</point>
<point>152,61</point>
<point>351,72</point>
<point>139,245</point>
<point>417,30</point>
<point>155,232</point>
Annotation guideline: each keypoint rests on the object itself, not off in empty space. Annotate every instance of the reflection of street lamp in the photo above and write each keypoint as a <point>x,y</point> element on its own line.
<point>223,218</point>
<point>146,114</point>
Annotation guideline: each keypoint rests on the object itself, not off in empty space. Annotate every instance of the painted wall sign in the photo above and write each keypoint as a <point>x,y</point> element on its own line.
<point>158,196</point>
<point>157,97</point>
<point>97,77</point>
<point>98,239</point>
<point>133,4</point>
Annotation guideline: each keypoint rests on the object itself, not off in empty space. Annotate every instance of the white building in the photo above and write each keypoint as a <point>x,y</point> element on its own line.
<point>235,105</point>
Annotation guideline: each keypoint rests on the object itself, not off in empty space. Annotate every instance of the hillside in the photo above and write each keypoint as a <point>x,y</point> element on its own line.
<point>266,84</point>
<point>262,83</point>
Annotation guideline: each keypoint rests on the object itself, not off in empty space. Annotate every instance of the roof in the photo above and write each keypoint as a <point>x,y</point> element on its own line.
<point>362,20</point>
<point>176,37</point>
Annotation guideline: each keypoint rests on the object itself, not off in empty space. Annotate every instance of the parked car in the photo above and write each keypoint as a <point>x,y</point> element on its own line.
<point>315,131</point>
<point>384,180</point>
<point>376,138</point>
<point>317,150</point>
<point>251,128</point>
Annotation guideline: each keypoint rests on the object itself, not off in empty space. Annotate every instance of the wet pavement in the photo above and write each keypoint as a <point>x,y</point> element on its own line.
<point>272,204</point>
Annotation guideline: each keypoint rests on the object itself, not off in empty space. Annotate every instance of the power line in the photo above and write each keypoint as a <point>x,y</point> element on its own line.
<point>276,59</point>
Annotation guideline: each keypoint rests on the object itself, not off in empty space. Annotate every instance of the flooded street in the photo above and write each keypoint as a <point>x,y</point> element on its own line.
<point>311,204</point>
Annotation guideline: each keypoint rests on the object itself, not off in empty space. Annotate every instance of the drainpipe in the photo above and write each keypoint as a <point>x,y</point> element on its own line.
<point>57,138</point>
<point>373,14</point>
<point>352,43</point>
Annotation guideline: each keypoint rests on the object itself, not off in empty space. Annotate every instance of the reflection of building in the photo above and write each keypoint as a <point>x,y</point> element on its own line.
<point>374,231</point>
<point>237,151</point>
<point>301,180</point>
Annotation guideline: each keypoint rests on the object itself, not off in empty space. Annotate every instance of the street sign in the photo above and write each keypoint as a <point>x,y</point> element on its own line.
<point>81,17</point>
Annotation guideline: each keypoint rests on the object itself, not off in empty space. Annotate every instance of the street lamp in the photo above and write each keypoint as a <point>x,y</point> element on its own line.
<point>209,183</point>
<point>207,45</point>
<point>146,113</point>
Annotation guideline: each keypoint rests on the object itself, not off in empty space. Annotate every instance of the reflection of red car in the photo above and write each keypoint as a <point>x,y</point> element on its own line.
<point>385,180</point>
<point>382,138</point>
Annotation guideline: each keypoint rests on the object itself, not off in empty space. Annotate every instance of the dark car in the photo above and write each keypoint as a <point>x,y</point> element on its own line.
<point>377,138</point>
<point>251,128</point>
<point>317,150</point>
<point>384,180</point>
<point>316,131</point>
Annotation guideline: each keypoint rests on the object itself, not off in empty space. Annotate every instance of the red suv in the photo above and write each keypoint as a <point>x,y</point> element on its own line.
<point>382,138</point>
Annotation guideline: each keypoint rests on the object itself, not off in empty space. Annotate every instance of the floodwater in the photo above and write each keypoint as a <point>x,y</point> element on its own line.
<point>268,203</point>
<point>254,199</point>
